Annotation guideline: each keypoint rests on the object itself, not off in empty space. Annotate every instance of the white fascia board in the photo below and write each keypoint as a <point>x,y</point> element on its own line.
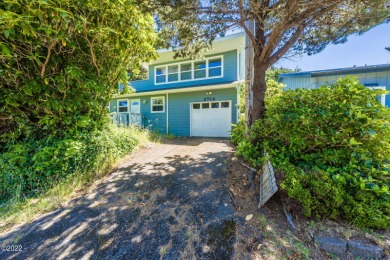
<point>219,39</point>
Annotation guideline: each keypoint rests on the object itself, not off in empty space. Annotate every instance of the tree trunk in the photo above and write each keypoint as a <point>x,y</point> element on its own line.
<point>258,88</point>
<point>249,53</point>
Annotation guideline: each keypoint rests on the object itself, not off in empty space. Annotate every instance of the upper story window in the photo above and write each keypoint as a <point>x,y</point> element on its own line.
<point>161,75</point>
<point>189,70</point>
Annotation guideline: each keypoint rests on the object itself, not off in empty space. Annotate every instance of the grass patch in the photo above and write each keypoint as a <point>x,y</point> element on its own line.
<point>96,155</point>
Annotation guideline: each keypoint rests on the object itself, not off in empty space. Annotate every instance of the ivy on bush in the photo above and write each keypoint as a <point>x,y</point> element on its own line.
<point>333,146</point>
<point>30,167</point>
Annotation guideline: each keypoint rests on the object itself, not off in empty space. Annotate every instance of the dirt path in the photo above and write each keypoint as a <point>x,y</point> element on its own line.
<point>169,201</point>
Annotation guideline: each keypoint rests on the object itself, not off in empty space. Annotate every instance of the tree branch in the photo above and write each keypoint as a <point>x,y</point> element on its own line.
<point>243,25</point>
<point>279,53</point>
<point>93,54</point>
<point>48,57</point>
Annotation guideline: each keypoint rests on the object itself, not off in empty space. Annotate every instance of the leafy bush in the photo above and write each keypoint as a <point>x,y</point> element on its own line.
<point>61,62</point>
<point>238,131</point>
<point>333,146</point>
<point>30,167</point>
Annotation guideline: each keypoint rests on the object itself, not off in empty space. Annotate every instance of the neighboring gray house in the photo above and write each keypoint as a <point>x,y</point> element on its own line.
<point>373,76</point>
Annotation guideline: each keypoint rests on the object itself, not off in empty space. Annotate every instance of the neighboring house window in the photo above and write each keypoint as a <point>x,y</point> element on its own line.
<point>381,98</point>
<point>158,104</point>
<point>123,106</point>
<point>189,70</point>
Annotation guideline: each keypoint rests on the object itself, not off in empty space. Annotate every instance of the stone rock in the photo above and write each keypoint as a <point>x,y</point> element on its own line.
<point>364,250</point>
<point>332,245</point>
<point>249,217</point>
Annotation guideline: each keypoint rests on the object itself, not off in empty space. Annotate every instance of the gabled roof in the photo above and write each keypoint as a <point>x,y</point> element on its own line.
<point>339,71</point>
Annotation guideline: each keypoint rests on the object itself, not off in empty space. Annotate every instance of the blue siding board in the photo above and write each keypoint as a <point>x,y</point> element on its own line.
<point>178,109</point>
<point>154,121</point>
<point>229,75</point>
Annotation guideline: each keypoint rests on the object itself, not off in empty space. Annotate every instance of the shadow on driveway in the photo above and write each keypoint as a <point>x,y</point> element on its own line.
<point>169,201</point>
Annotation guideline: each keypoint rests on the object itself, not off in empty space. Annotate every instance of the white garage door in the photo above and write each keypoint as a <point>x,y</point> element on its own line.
<point>211,119</point>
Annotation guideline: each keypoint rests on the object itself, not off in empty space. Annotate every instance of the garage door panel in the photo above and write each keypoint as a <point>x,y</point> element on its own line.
<point>211,119</point>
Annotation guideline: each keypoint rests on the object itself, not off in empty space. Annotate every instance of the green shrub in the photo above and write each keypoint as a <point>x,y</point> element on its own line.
<point>238,132</point>
<point>333,146</point>
<point>29,167</point>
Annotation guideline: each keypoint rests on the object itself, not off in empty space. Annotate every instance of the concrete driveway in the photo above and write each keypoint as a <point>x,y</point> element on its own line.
<point>168,201</point>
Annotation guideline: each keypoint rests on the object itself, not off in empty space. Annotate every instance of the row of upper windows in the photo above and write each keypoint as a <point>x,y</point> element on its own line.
<point>189,70</point>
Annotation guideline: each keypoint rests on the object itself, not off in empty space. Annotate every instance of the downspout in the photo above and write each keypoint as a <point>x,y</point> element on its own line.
<point>238,107</point>
<point>167,111</point>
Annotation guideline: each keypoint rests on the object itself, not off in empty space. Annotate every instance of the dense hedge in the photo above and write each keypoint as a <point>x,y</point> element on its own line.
<point>333,146</point>
<point>30,167</point>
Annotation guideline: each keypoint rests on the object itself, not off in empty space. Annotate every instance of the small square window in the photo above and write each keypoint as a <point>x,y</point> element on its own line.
<point>158,105</point>
<point>161,75</point>
<point>173,69</point>
<point>196,106</point>
<point>200,74</point>
<point>173,77</point>
<point>187,75</point>
<point>215,105</point>
<point>215,63</point>
<point>123,103</point>
<point>186,67</point>
<point>224,104</point>
<point>205,105</point>
<point>123,106</point>
<point>160,71</point>
<point>215,72</point>
<point>200,65</point>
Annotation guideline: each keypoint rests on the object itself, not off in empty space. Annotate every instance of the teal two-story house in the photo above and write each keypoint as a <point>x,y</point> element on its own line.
<point>373,76</point>
<point>185,97</point>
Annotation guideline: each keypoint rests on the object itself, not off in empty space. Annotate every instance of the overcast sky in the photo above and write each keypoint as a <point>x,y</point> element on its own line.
<point>367,49</point>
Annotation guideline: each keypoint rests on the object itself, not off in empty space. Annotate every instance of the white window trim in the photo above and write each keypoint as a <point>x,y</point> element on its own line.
<point>117,105</point>
<point>192,70</point>
<point>151,105</point>
<point>383,97</point>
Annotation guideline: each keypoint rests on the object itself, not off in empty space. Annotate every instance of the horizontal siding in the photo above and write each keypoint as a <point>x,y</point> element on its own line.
<point>229,74</point>
<point>370,78</point>
<point>298,82</point>
<point>154,121</point>
<point>179,108</point>
<point>381,78</point>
